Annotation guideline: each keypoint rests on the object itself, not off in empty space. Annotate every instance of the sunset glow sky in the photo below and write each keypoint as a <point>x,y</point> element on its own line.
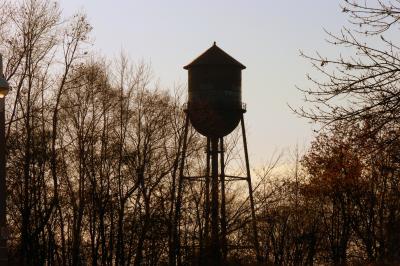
<point>264,35</point>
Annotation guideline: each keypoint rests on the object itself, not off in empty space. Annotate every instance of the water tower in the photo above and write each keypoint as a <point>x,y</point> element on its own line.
<point>215,109</point>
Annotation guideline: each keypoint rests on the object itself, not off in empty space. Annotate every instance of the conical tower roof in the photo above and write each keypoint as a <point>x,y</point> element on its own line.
<point>214,56</point>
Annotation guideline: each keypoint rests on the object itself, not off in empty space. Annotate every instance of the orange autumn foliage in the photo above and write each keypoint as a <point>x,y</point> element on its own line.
<point>333,165</point>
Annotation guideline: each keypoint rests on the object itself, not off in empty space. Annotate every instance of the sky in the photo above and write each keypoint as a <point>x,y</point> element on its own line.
<point>264,35</point>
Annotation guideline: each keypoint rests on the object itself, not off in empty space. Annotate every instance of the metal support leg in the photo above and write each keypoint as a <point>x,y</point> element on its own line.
<point>215,244</point>
<point>177,216</point>
<point>253,212</point>
<point>223,202</point>
<point>205,246</point>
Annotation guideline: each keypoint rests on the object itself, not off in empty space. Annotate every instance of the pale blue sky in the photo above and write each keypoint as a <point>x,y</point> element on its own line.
<point>265,36</point>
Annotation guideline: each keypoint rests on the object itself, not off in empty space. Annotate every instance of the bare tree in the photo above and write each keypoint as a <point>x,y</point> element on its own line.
<point>363,84</point>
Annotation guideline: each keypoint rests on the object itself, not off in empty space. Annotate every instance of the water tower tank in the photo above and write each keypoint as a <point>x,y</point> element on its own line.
<point>215,93</point>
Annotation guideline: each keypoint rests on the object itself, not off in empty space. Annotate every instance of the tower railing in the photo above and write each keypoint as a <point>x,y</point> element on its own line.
<point>243,106</point>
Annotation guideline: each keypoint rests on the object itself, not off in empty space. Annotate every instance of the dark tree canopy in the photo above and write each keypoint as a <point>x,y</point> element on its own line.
<point>94,145</point>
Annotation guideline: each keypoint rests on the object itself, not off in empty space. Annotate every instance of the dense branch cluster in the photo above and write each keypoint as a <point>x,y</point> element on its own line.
<point>354,160</point>
<point>93,151</point>
<point>364,84</point>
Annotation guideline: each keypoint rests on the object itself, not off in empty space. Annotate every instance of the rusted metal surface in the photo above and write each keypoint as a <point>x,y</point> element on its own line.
<point>215,93</point>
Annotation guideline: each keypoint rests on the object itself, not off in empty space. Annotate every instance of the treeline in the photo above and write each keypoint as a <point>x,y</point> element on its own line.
<point>93,147</point>
<point>93,151</point>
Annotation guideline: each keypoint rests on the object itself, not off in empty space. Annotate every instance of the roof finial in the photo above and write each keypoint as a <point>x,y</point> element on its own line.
<point>215,43</point>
